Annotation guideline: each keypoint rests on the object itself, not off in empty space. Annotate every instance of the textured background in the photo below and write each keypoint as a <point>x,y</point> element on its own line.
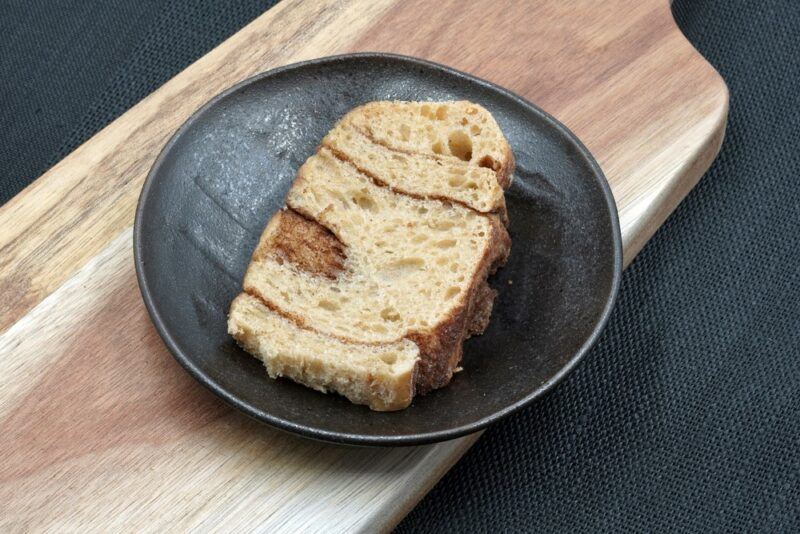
<point>686,417</point>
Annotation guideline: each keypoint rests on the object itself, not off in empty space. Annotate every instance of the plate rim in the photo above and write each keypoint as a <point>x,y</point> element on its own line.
<point>364,439</point>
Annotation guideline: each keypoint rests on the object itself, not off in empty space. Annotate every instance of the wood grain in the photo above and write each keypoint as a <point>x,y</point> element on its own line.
<point>101,430</point>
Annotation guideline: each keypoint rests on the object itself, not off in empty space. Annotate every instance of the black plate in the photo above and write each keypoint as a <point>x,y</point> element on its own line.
<point>226,171</point>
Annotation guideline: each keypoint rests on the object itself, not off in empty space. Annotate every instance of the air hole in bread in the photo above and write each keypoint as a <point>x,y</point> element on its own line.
<point>408,263</point>
<point>419,238</point>
<point>364,201</point>
<point>460,145</point>
<point>454,267</point>
<point>328,305</point>
<point>472,111</point>
<point>426,111</point>
<point>446,243</point>
<point>455,181</point>
<point>438,148</point>
<point>451,292</point>
<point>475,130</point>
<point>488,162</point>
<point>378,328</point>
<point>405,132</point>
<point>390,314</point>
<point>464,121</point>
<point>441,113</point>
<point>389,358</point>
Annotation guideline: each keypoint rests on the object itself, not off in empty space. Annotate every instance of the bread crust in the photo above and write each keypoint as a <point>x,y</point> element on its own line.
<point>506,172</point>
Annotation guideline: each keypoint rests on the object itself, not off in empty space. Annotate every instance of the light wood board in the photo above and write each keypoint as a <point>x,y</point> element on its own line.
<point>102,431</point>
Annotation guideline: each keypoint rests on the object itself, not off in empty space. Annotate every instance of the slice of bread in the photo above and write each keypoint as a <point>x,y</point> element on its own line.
<point>371,277</point>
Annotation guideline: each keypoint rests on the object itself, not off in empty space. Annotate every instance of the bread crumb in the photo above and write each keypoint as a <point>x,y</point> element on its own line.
<point>510,282</point>
<point>458,369</point>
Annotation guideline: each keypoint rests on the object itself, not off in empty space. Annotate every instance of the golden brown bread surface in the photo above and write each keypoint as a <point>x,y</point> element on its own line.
<point>370,279</point>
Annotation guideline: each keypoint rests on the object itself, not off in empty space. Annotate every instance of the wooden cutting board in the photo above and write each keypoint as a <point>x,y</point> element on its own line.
<point>101,430</point>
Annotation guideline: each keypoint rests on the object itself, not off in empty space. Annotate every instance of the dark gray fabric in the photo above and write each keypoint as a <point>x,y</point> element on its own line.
<point>686,417</point>
<point>69,67</point>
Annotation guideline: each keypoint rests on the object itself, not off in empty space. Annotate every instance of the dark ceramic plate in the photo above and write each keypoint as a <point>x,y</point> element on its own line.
<point>226,171</point>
